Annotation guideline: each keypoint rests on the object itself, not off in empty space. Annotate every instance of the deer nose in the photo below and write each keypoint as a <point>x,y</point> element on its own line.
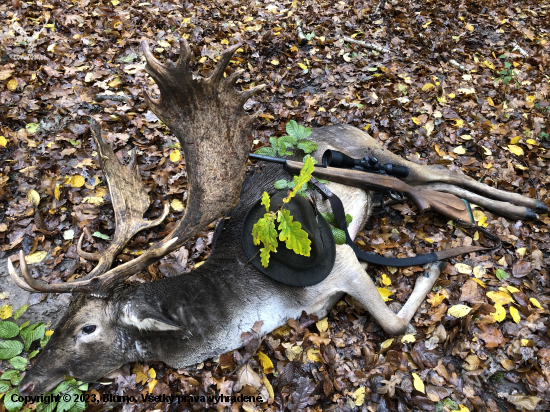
<point>26,390</point>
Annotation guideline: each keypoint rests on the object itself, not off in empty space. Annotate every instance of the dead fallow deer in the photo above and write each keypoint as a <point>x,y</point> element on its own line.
<point>186,319</point>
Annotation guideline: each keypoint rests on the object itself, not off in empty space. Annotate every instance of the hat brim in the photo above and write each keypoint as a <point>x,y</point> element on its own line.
<point>277,270</point>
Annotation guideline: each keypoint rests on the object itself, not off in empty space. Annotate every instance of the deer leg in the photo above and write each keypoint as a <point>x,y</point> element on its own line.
<point>359,285</point>
<point>360,144</point>
<point>505,209</point>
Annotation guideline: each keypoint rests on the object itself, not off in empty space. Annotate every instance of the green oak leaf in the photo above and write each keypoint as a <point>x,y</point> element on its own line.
<point>292,234</point>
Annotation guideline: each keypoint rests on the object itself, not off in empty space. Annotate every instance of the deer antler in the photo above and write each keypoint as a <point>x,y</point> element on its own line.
<point>207,117</point>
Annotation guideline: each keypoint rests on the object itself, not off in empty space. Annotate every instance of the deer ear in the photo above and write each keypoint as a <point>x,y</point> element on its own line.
<point>146,319</point>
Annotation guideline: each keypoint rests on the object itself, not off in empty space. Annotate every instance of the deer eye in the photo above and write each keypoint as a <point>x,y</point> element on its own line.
<point>88,329</point>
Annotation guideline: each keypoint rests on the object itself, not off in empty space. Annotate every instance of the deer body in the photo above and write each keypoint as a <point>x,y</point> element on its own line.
<point>189,318</point>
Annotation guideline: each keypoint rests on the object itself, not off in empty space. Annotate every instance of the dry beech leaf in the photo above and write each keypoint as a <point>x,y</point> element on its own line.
<point>408,339</point>
<point>359,396</point>
<point>177,205</point>
<point>514,313</point>
<point>500,297</point>
<point>36,257</point>
<point>322,325</point>
<point>535,303</point>
<point>500,313</point>
<point>267,365</point>
<point>33,197</point>
<point>459,311</point>
<point>175,155</point>
<point>418,384</point>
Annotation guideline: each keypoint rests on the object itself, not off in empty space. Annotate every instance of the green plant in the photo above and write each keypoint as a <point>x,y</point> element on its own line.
<point>501,274</point>
<point>290,232</point>
<point>296,138</point>
<point>507,75</point>
<point>339,234</point>
<point>16,342</point>
<point>544,136</point>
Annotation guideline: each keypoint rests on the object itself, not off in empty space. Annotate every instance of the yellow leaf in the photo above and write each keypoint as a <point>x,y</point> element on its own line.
<point>427,86</point>
<point>6,311</point>
<point>302,66</point>
<point>479,282</point>
<point>3,141</point>
<point>268,386</point>
<point>359,396</point>
<point>199,264</point>
<point>459,311</point>
<point>322,325</point>
<point>275,62</point>
<point>531,141</point>
<point>464,269</point>
<point>385,280</point>
<point>514,140</point>
<point>408,339</point>
<point>33,197</point>
<point>535,303</point>
<point>164,44</point>
<point>386,344</point>
<point>466,137</point>
<point>462,408</point>
<point>225,41</point>
<point>459,150</point>
<point>437,299</point>
<point>525,342</point>
<point>177,205</point>
<point>267,365</point>
<point>152,373</point>
<point>140,376</point>
<point>12,85</point>
<point>459,122</point>
<point>35,257</point>
<point>480,218</point>
<point>49,332</point>
<point>385,293</point>
<point>490,101</point>
<point>313,355</point>
<point>500,313</point>
<point>500,297</point>
<point>487,151</point>
<point>488,64</point>
<point>479,271</point>
<point>152,385</point>
<point>94,200</point>
<point>56,192</point>
<point>417,382</point>
<point>415,120</point>
<point>115,2</point>
<point>512,289</point>
<point>469,27</point>
<point>518,151</point>
<point>515,314</point>
<point>452,95</point>
<point>175,156</point>
<point>77,181</point>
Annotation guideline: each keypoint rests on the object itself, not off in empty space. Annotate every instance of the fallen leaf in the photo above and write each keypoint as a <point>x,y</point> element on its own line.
<point>418,384</point>
<point>385,293</point>
<point>77,181</point>
<point>267,365</point>
<point>500,313</point>
<point>359,396</point>
<point>500,297</point>
<point>35,257</point>
<point>6,312</point>
<point>459,311</point>
<point>408,339</point>
<point>515,314</point>
<point>518,151</point>
<point>322,325</point>
<point>33,197</point>
<point>177,205</point>
<point>175,156</point>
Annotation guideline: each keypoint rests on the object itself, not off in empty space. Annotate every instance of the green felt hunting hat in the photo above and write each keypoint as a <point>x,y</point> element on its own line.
<point>284,265</point>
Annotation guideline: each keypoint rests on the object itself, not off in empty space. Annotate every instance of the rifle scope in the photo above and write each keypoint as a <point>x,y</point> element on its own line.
<point>335,158</point>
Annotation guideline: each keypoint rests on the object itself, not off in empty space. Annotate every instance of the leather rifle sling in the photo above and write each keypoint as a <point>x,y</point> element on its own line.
<point>340,215</point>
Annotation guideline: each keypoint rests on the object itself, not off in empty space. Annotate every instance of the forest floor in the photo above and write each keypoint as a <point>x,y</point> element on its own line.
<point>463,84</point>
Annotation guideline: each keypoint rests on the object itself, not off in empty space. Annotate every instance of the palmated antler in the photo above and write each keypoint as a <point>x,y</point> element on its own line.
<point>207,117</point>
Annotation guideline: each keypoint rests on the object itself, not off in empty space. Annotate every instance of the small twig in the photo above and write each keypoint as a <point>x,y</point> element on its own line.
<point>113,97</point>
<point>453,62</point>
<point>519,49</point>
<point>371,46</point>
<point>376,13</point>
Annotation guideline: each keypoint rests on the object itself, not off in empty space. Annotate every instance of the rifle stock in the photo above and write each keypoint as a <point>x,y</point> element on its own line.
<point>444,203</point>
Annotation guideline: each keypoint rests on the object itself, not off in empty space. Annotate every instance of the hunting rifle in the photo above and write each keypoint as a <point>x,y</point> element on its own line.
<point>368,178</point>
